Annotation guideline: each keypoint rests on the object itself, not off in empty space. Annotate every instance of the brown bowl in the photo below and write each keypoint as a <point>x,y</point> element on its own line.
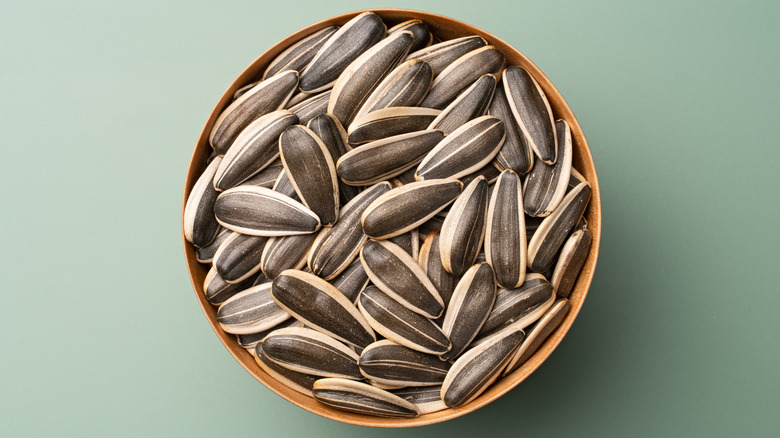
<point>446,28</point>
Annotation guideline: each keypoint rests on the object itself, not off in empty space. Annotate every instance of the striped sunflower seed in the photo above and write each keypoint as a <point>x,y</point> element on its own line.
<point>389,363</point>
<point>311,107</point>
<point>298,55</point>
<point>405,86</point>
<point>266,177</point>
<point>490,172</point>
<point>284,186</point>
<point>515,154</point>
<point>469,308</point>
<point>537,334</point>
<point>462,73</point>
<point>442,54</point>
<point>464,228</point>
<point>407,207</point>
<point>250,311</point>
<point>532,112</point>
<point>285,252</point>
<point>554,229</point>
<point>308,351</point>
<point>238,258</point>
<point>351,281</point>
<point>386,158</point>
<point>430,261</point>
<point>575,179</point>
<point>364,74</point>
<point>206,253</point>
<point>200,225</point>
<point>465,150</point>
<point>337,247</point>
<point>255,148</point>
<point>312,171</point>
<point>218,290</point>
<point>505,237</point>
<point>250,340</point>
<point>397,323</point>
<point>361,398</point>
<point>545,185</point>
<point>262,212</point>
<point>241,91</point>
<point>333,315</point>
<point>426,398</point>
<point>330,131</point>
<point>388,122</point>
<point>421,35</point>
<point>397,274</point>
<point>470,104</point>
<point>519,307</point>
<point>570,262</point>
<point>344,46</point>
<point>265,97</point>
<point>479,367</point>
<point>299,382</point>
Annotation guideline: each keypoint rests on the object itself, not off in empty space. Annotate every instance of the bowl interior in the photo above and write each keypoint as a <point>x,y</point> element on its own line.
<point>446,28</point>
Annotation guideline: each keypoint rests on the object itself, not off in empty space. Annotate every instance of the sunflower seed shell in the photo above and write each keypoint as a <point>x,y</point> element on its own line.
<point>470,104</point>
<point>442,54</point>
<point>389,122</point>
<point>515,154</point>
<point>426,398</point>
<point>361,398</point>
<point>537,334</point>
<point>464,228</point>
<point>310,352</point>
<point>297,56</point>
<point>532,112</point>
<point>200,225</point>
<point>206,253</point>
<point>218,290</point>
<point>311,107</point>
<point>469,307</point>
<point>519,307</point>
<point>430,261</point>
<point>250,340</point>
<point>421,35</point>
<point>405,86</point>
<point>545,185</point>
<point>285,252</point>
<point>389,363</point>
<point>250,311</point>
<point>461,74</point>
<point>505,244</point>
<point>570,262</point>
<point>351,281</point>
<point>238,258</point>
<point>299,382</point>
<point>259,211</point>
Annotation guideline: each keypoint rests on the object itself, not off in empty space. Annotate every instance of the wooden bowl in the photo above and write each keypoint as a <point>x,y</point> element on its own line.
<point>446,28</point>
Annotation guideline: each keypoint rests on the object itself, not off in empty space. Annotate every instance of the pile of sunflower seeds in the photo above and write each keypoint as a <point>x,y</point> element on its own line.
<point>392,222</point>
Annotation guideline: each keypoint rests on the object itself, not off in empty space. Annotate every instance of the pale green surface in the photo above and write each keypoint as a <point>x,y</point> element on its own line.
<point>102,103</point>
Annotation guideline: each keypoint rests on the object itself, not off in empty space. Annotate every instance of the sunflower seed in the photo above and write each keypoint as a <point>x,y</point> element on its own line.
<point>341,49</point>
<point>265,97</point>
<point>409,242</point>
<point>299,54</point>
<point>515,154</point>
<point>470,104</point>
<point>554,229</point>
<point>465,150</point>
<point>361,398</point>
<point>262,212</point>
<point>479,367</point>
<point>405,86</point>
<point>575,179</point>
<point>389,363</point>
<point>490,172</point>
<point>332,134</point>
<point>442,54</point>
<point>299,382</point>
<point>462,73</point>
<point>397,274</point>
<point>337,247</point>
<point>464,228</point>
<point>505,244</point>
<point>241,91</point>
<point>469,308</point>
<point>255,148</point>
<point>388,122</point>
<point>206,253</point>
<point>218,290</point>
<point>238,258</point>
<point>405,208</point>
<point>319,305</point>
<point>285,252</point>
<point>430,261</point>
<point>364,74</point>
<point>266,177</point>
<point>426,398</point>
<point>537,334</point>
<point>397,323</point>
<point>386,158</point>
<point>383,386</point>
<point>250,311</point>
<point>200,225</point>
<point>421,35</point>
<point>545,185</point>
<point>519,307</point>
<point>351,281</point>
<point>531,111</point>
<point>284,186</point>
<point>249,341</point>
<point>310,352</point>
<point>570,262</point>
<point>314,177</point>
<point>311,107</point>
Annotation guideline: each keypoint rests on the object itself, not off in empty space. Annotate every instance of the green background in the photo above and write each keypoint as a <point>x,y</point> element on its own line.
<point>102,103</point>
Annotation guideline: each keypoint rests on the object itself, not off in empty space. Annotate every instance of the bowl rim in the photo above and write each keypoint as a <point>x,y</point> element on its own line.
<point>582,157</point>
